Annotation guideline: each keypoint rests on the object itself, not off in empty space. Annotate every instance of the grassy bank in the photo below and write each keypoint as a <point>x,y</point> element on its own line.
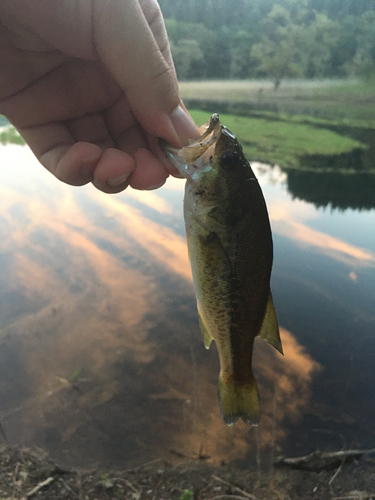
<point>283,142</point>
<point>305,124</point>
<point>342,101</point>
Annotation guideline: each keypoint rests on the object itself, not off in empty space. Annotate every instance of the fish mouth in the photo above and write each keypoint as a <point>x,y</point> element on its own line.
<point>193,157</point>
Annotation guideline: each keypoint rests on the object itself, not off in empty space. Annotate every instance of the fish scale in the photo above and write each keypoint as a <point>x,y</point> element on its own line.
<point>230,251</point>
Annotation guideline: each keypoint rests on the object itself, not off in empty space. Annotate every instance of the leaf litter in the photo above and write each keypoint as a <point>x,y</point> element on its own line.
<point>29,474</point>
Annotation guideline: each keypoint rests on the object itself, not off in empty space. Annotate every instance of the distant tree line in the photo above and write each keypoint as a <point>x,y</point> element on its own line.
<point>271,38</point>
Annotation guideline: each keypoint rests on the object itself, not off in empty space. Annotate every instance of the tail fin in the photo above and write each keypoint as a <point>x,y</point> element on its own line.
<point>239,401</point>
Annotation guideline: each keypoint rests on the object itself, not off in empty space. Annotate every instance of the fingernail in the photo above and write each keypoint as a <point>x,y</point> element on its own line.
<point>117,181</point>
<point>184,125</point>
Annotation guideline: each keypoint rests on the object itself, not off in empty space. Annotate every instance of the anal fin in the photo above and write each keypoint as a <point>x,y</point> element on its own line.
<point>270,329</point>
<point>207,338</point>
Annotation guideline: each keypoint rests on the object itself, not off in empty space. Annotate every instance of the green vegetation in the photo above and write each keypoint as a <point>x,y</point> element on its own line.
<point>10,136</point>
<point>322,134</point>
<point>187,495</point>
<point>271,38</point>
<point>339,102</point>
<point>285,141</point>
<point>74,377</point>
<point>293,47</point>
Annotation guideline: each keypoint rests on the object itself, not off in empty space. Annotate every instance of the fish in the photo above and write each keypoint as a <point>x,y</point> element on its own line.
<point>231,252</point>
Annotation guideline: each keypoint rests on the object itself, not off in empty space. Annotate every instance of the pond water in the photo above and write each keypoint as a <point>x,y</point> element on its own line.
<point>101,357</point>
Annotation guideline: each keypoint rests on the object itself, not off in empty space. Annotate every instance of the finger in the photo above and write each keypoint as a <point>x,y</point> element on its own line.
<point>91,128</point>
<point>154,147</point>
<point>71,162</point>
<point>71,90</point>
<point>150,173</point>
<point>78,163</point>
<point>154,18</point>
<point>130,137</point>
<point>56,150</point>
<point>127,46</point>
<point>123,127</point>
<point>46,24</point>
<point>113,171</point>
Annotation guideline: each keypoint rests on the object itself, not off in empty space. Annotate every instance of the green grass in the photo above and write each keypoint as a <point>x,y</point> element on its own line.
<point>363,88</point>
<point>313,120</point>
<point>343,101</point>
<point>282,142</point>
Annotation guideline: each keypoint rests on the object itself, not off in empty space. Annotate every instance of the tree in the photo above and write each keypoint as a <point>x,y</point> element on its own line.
<point>319,39</point>
<point>340,9</point>
<point>343,52</point>
<point>275,38</point>
<point>215,47</point>
<point>364,58</point>
<point>241,63</point>
<point>279,53</point>
<point>188,58</point>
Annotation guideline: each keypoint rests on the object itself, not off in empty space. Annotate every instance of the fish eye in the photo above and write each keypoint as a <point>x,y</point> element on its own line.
<point>229,159</point>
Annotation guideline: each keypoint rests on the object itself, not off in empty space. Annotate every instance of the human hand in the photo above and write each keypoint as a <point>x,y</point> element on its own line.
<point>90,85</point>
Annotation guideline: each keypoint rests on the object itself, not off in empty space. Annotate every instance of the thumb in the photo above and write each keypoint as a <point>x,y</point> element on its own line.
<point>137,54</point>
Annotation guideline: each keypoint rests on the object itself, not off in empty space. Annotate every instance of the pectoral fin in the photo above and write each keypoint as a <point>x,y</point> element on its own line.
<point>207,338</point>
<point>270,328</point>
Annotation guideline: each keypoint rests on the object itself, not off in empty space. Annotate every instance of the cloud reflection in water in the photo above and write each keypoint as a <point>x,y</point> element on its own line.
<point>290,218</point>
<point>105,289</point>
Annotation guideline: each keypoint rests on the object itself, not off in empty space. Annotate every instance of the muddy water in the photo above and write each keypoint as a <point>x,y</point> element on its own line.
<point>101,358</point>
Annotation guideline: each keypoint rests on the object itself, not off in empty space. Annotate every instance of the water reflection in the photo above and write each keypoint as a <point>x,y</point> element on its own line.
<point>338,190</point>
<point>343,181</point>
<point>293,220</point>
<point>101,357</point>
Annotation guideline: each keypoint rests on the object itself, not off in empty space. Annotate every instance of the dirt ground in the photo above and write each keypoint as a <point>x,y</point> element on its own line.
<point>28,473</point>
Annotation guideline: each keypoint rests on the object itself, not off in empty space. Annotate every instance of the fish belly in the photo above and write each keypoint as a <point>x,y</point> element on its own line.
<point>232,289</point>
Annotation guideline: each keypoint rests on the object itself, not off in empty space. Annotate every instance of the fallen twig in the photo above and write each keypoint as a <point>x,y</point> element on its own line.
<point>330,482</point>
<point>146,464</point>
<point>183,454</point>
<point>234,488</point>
<point>192,455</point>
<point>128,484</point>
<point>137,492</point>
<point>66,485</point>
<point>323,460</point>
<point>40,486</point>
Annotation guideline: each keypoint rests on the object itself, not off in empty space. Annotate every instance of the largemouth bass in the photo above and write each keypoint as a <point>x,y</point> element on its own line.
<point>230,250</point>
